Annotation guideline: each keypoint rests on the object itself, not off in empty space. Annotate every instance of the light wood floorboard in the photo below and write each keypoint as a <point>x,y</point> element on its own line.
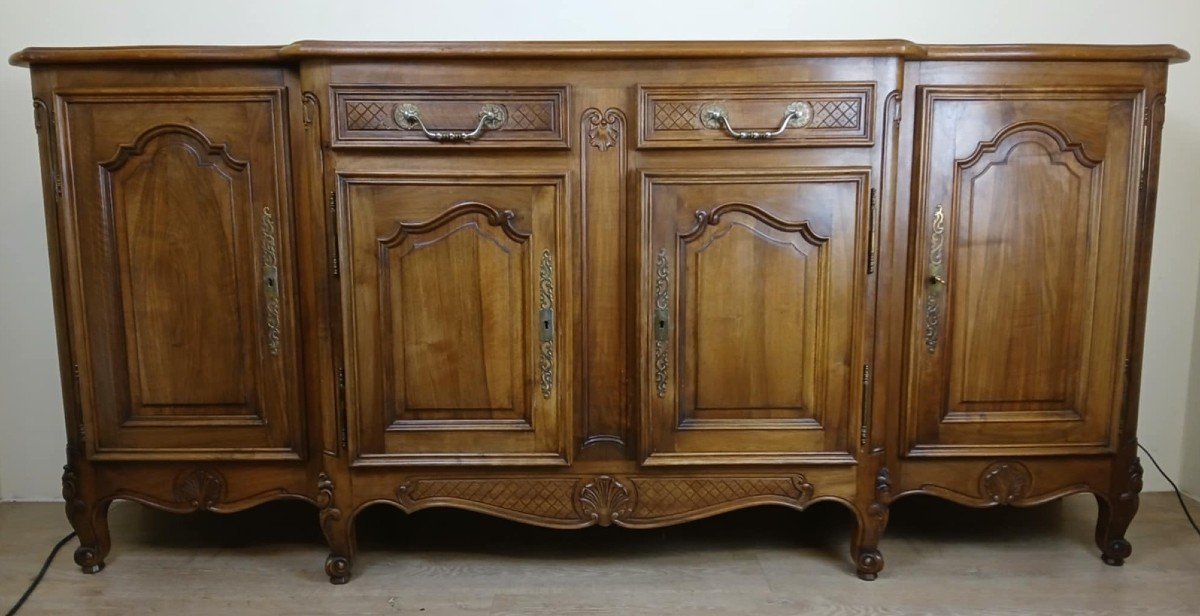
<point>941,559</point>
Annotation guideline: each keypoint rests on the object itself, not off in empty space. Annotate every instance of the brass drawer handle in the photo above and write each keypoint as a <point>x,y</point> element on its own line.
<point>714,115</point>
<point>491,117</point>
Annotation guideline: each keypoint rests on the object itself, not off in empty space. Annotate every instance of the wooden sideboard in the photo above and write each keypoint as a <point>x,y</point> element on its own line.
<point>599,283</point>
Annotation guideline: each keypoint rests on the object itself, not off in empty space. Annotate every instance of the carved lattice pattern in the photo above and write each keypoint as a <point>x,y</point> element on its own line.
<point>369,116</point>
<point>551,498</point>
<point>676,116</point>
<point>528,117</point>
<point>662,497</point>
<point>838,113</point>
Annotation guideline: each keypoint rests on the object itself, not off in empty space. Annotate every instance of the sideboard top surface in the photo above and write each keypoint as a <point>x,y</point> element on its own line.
<point>348,50</point>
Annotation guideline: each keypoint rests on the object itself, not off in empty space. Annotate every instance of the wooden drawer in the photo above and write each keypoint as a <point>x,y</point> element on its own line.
<point>387,117</point>
<point>830,114</point>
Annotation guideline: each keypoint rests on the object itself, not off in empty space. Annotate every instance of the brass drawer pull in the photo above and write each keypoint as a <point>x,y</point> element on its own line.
<point>491,117</point>
<point>714,115</point>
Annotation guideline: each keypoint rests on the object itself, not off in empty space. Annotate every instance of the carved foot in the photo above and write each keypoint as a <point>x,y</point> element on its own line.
<point>88,560</point>
<point>1116,513</point>
<point>1116,552</point>
<point>338,569</point>
<point>870,563</point>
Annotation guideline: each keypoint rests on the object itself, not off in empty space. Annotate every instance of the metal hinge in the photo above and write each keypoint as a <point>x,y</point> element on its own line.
<point>864,430</point>
<point>873,213</point>
<point>1121,422</point>
<point>341,385</point>
<point>1147,118</point>
<point>335,264</point>
<point>78,389</point>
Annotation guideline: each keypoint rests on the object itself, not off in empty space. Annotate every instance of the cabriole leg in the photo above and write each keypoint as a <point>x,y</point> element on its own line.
<point>90,521</point>
<point>1115,516</point>
<point>339,533</point>
<point>864,547</point>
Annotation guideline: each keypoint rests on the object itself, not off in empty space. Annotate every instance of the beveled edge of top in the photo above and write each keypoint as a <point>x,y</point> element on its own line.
<point>351,50</point>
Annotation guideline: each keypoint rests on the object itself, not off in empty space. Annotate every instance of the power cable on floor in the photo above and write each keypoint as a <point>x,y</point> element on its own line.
<point>41,574</point>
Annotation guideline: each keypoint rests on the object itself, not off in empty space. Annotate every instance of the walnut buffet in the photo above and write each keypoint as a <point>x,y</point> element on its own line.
<point>599,283</point>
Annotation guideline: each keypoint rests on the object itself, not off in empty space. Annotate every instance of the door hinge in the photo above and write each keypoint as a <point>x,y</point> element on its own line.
<point>873,213</point>
<point>335,265</point>
<point>1122,421</point>
<point>864,429</point>
<point>1147,134</point>
<point>341,385</point>
<point>75,382</point>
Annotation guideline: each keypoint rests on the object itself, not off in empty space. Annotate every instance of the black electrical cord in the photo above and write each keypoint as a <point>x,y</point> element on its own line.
<point>1178,494</point>
<point>37,580</point>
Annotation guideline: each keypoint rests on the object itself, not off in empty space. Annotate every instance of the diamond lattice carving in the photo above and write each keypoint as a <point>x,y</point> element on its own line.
<point>669,496</point>
<point>676,116</point>
<point>838,113</point>
<point>550,498</point>
<point>528,117</point>
<point>369,116</point>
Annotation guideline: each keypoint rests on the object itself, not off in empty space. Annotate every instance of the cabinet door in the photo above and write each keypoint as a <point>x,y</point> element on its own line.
<point>181,278</point>
<point>1022,269</point>
<point>454,302</point>
<point>753,293</point>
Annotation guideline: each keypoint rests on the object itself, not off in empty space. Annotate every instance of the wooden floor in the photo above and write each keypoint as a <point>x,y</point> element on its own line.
<point>941,559</point>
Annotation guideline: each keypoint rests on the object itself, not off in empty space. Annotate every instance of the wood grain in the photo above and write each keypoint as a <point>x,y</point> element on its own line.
<point>601,312</point>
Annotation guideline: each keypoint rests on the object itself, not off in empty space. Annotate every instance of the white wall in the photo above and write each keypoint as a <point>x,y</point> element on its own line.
<point>31,426</point>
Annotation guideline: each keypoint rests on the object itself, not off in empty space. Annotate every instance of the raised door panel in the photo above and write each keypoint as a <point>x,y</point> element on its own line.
<point>455,348</point>
<point>1023,271</point>
<point>182,273</point>
<point>753,285</point>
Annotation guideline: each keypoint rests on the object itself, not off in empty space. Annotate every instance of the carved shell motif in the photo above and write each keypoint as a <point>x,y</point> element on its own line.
<point>1005,482</point>
<point>201,489</point>
<point>605,500</point>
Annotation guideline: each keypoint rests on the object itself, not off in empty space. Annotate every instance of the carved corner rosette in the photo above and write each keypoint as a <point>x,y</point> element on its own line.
<point>804,489</point>
<point>329,513</point>
<point>883,494</point>
<point>1134,487</point>
<point>70,483</point>
<point>605,500</point>
<point>200,489</point>
<point>1005,483</point>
